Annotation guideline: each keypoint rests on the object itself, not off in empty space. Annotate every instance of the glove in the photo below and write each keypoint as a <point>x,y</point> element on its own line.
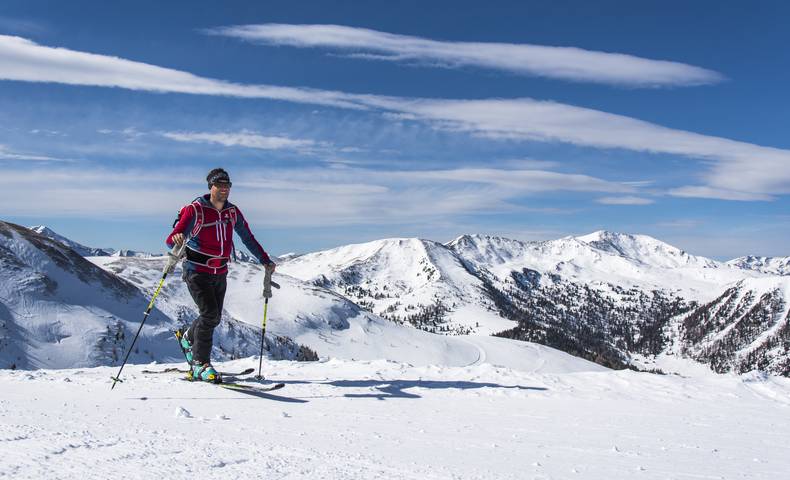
<point>173,257</point>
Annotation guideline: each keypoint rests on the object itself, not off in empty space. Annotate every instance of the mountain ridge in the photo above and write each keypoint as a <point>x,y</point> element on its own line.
<point>616,299</point>
<point>604,296</point>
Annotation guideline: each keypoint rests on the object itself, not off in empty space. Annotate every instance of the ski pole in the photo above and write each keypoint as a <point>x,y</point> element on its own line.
<point>267,294</point>
<point>173,256</point>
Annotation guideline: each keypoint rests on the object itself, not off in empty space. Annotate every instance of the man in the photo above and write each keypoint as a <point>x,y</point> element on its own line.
<point>207,225</point>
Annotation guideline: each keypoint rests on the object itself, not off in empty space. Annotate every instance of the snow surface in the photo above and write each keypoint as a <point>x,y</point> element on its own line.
<point>342,419</point>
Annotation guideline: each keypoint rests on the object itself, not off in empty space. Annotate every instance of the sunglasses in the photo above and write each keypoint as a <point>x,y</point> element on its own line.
<point>223,185</point>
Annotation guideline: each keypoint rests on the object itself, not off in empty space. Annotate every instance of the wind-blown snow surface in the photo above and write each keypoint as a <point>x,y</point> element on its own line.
<point>344,419</point>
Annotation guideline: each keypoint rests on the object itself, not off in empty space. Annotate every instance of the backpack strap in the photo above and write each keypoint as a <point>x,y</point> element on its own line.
<point>199,217</point>
<point>234,217</point>
<point>198,208</point>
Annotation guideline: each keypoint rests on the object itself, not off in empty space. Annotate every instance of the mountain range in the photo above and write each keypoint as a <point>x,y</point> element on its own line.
<point>615,299</point>
<point>60,310</point>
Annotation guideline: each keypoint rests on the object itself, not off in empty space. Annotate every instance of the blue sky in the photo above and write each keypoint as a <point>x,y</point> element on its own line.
<point>343,122</point>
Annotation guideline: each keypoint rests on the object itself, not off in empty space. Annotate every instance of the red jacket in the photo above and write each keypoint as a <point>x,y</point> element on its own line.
<point>209,235</point>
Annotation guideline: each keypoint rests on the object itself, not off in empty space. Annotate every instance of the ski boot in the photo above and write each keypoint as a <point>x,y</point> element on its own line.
<point>186,345</point>
<point>204,372</point>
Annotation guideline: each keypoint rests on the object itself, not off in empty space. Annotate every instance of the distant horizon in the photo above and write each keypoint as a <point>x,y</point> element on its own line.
<point>281,254</point>
<point>348,122</point>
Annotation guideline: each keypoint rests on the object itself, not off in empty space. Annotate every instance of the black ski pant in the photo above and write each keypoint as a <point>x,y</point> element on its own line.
<point>208,292</point>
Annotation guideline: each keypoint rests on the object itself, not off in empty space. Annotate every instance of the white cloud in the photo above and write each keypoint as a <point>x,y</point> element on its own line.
<point>292,197</point>
<point>24,60</point>
<point>627,200</point>
<point>753,172</point>
<point>523,181</point>
<point>756,171</point>
<point>566,63</point>
<point>6,154</point>
<point>717,193</point>
<point>48,133</point>
<point>529,164</point>
<point>243,138</point>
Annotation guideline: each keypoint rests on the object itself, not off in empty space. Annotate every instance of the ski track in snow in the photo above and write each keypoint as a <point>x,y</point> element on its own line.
<point>342,419</point>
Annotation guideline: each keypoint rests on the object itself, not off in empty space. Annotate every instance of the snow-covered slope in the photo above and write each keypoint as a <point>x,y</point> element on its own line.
<point>406,280</point>
<point>746,328</point>
<point>333,326</point>
<point>57,309</point>
<point>769,265</point>
<point>383,420</point>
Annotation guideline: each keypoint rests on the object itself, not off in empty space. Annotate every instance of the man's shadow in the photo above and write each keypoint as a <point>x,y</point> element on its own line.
<point>397,388</point>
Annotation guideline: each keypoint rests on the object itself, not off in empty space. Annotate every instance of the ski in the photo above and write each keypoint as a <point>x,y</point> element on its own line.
<point>248,387</point>
<point>244,387</point>
<point>181,370</point>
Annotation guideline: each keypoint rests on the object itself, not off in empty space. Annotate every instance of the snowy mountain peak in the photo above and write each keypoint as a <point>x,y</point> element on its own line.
<point>607,236</point>
<point>486,248</point>
<point>644,249</point>
<point>421,282</point>
<point>43,230</point>
<point>132,253</point>
<point>398,257</point>
<point>77,247</point>
<point>483,240</point>
<point>615,241</point>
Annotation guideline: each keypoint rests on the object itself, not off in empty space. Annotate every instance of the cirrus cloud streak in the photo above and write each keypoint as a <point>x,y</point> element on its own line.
<point>566,63</point>
<point>244,138</point>
<point>24,60</point>
<point>295,197</point>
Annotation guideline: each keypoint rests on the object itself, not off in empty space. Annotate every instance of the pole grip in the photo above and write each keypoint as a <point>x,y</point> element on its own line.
<point>267,284</point>
<point>174,256</point>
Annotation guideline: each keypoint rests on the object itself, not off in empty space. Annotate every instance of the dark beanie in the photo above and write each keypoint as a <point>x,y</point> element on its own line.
<point>218,175</point>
